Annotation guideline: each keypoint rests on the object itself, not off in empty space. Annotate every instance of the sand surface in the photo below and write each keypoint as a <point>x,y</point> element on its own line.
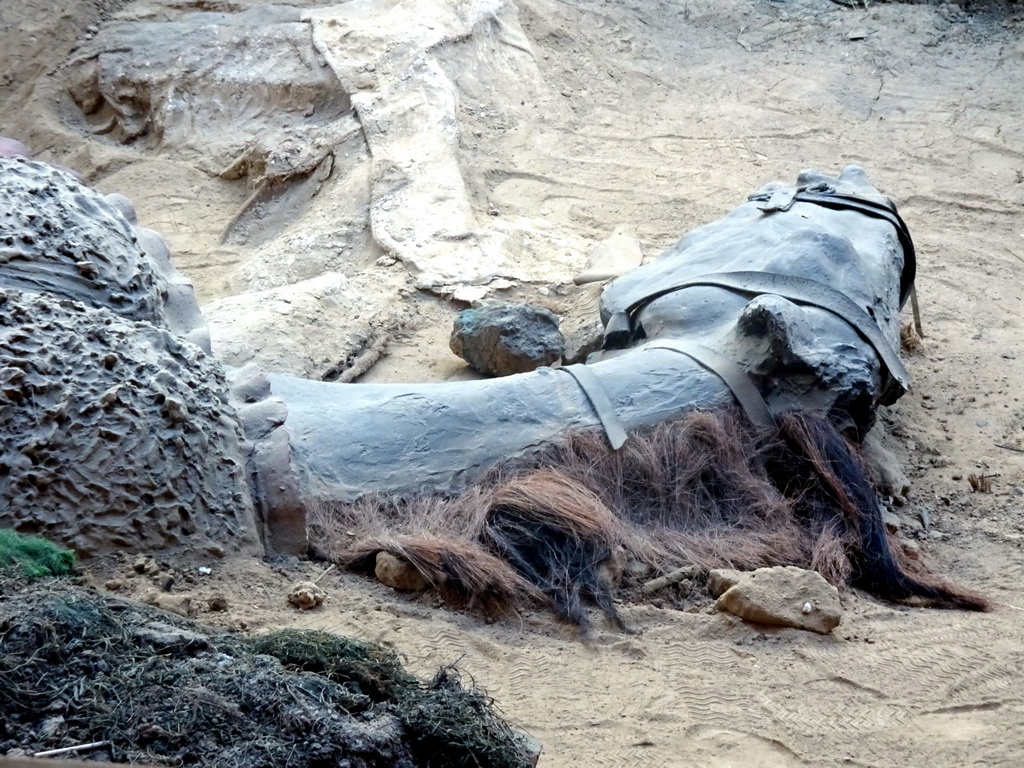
<point>661,116</point>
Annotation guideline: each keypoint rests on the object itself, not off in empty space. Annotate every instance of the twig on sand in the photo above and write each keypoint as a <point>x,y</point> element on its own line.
<point>686,572</point>
<point>373,352</point>
<point>917,312</point>
<point>330,568</point>
<point>76,748</point>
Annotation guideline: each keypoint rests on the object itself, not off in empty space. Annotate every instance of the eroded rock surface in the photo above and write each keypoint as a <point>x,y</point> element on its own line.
<point>117,432</point>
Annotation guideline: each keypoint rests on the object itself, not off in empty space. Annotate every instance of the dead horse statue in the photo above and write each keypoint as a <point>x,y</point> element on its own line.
<point>789,306</point>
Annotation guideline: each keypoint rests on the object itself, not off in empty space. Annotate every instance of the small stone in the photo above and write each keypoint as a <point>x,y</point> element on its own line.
<point>778,596</point>
<point>147,565</point>
<point>720,580</point>
<point>398,574</point>
<point>217,603</point>
<point>164,581</point>
<point>113,584</point>
<point>51,726</point>
<point>912,550</point>
<point>307,595</point>
<point>893,522</point>
<point>175,410</point>
<point>216,550</point>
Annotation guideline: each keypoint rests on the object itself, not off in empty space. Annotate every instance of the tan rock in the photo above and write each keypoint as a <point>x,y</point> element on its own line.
<point>784,597</point>
<point>307,595</point>
<point>179,604</point>
<point>398,574</point>
<point>722,579</point>
<point>217,603</point>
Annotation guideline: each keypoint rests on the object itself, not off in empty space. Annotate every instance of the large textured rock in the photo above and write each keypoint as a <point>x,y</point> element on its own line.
<point>116,428</point>
<point>57,235</point>
<point>116,434</point>
<point>502,339</point>
<point>784,597</point>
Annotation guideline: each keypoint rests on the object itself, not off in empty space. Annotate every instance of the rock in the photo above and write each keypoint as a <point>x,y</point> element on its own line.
<point>912,550</point>
<point>307,595</point>
<point>502,339</point>
<point>217,603</point>
<point>51,726</point>
<point>164,581</point>
<point>179,604</point>
<point>165,637</point>
<point>113,584</point>
<point>720,580</point>
<point>398,574</point>
<point>893,522</point>
<point>146,565</point>
<point>784,597</point>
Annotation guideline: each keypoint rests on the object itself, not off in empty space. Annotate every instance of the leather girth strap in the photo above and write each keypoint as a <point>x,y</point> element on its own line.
<point>734,377</point>
<point>602,405</point>
<point>622,329</point>
<point>825,195</point>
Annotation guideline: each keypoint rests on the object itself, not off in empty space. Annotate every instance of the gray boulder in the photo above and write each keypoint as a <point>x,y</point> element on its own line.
<point>502,339</point>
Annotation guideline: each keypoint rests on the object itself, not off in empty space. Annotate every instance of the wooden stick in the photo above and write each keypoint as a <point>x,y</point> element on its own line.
<point>76,748</point>
<point>917,312</point>
<point>686,572</point>
<point>329,569</point>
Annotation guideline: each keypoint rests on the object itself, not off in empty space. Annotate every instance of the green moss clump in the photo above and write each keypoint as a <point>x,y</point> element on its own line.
<point>35,557</point>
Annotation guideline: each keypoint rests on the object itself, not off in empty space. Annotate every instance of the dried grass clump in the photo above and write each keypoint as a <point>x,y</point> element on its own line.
<point>708,490</point>
<point>164,690</point>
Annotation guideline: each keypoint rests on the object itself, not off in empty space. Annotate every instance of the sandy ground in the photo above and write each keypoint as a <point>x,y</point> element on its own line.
<point>663,115</point>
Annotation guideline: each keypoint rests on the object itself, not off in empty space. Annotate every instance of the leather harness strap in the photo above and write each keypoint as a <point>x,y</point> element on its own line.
<point>826,195</point>
<point>735,378</point>
<point>621,329</point>
<point>603,407</point>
